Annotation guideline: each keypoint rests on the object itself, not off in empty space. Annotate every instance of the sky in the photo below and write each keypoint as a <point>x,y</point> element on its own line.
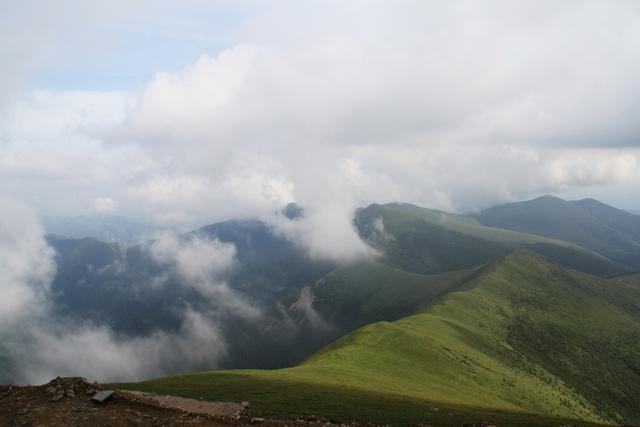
<point>189,112</point>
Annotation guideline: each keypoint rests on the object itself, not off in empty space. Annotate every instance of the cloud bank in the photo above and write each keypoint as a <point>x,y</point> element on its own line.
<point>44,344</point>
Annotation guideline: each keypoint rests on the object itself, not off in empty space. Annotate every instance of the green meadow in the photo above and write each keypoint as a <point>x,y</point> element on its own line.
<point>523,342</point>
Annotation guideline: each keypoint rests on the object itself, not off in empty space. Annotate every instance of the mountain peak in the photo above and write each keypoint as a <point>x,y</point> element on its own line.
<point>293,211</point>
<point>548,197</point>
<point>526,262</point>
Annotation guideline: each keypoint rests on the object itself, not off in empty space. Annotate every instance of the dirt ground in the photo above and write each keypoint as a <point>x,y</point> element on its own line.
<point>67,402</point>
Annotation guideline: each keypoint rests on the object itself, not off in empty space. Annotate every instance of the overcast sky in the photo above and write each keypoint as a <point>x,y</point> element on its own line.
<point>195,111</point>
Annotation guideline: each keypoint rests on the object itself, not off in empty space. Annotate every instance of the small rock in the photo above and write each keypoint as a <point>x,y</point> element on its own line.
<point>70,393</point>
<point>23,411</point>
<point>255,420</point>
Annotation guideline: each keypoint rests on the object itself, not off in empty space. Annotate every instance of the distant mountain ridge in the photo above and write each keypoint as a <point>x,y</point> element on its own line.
<point>108,228</point>
<point>611,232</point>
<point>429,241</point>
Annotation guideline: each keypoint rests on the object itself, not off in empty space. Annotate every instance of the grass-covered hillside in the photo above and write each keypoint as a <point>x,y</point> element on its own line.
<point>524,342</point>
<point>611,232</point>
<point>365,292</point>
<point>428,241</point>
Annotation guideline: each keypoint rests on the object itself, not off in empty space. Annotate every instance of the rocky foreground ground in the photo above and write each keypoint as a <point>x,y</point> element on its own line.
<point>68,402</point>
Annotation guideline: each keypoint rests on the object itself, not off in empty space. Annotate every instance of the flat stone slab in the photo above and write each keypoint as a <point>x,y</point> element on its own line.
<point>102,395</point>
<point>201,407</point>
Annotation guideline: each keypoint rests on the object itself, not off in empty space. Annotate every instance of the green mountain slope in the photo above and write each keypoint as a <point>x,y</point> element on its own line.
<point>527,339</point>
<point>365,292</point>
<point>617,219</point>
<point>631,280</point>
<point>428,241</point>
<point>608,231</point>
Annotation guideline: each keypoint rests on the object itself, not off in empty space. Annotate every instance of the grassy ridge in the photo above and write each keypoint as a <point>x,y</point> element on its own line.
<point>591,224</point>
<point>428,241</point>
<point>520,341</point>
<point>281,397</point>
<point>404,216</point>
<point>630,279</point>
<point>361,293</point>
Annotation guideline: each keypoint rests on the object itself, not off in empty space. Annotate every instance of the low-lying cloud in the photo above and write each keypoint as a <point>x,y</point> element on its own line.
<point>49,347</point>
<point>202,264</point>
<point>26,263</point>
<point>40,344</point>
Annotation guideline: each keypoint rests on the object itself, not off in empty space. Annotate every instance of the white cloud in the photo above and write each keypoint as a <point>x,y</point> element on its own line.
<point>45,345</point>
<point>455,105</point>
<point>104,204</point>
<point>26,263</point>
<point>52,157</point>
<point>472,104</point>
<point>325,232</point>
<point>202,264</point>
<point>58,349</point>
<point>196,259</point>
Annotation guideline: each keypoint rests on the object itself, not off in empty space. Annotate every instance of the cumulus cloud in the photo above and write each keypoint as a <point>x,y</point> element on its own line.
<point>470,105</point>
<point>334,105</point>
<point>463,72</point>
<point>104,204</point>
<point>325,233</point>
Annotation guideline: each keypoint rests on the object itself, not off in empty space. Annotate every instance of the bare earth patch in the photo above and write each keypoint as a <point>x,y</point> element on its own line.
<point>201,407</point>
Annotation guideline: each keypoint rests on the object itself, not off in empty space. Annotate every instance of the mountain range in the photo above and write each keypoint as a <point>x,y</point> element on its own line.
<point>523,313</point>
<point>589,223</point>
<point>522,339</point>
